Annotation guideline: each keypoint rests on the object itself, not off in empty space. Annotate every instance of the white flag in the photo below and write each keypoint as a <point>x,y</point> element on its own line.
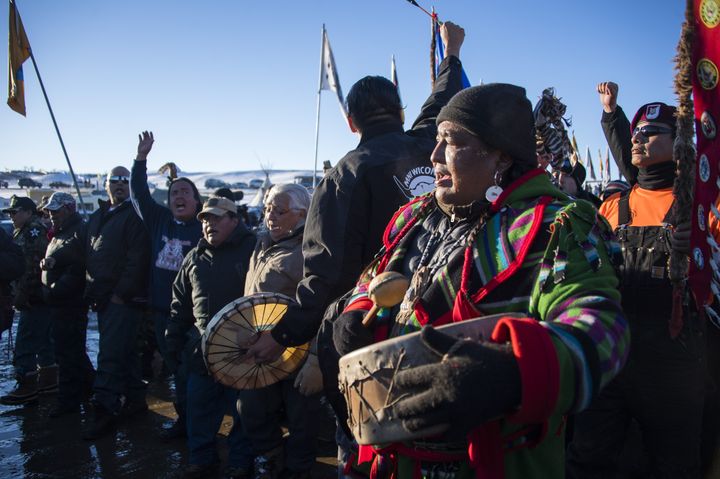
<point>394,75</point>
<point>328,72</point>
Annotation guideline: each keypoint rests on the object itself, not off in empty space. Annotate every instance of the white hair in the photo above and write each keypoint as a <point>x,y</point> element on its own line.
<point>298,194</point>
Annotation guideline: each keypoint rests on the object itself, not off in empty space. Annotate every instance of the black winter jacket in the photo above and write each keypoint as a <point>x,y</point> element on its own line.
<point>209,279</point>
<point>355,201</point>
<point>616,127</point>
<point>64,283</point>
<point>118,256</point>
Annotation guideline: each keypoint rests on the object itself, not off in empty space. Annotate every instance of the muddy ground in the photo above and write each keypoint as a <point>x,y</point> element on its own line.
<point>33,446</point>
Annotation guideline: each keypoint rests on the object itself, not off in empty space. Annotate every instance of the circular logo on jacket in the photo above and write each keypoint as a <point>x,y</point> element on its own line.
<point>701,217</point>
<point>704,168</point>
<point>417,181</point>
<point>699,258</point>
<point>707,74</point>
<point>710,13</point>
<point>707,123</point>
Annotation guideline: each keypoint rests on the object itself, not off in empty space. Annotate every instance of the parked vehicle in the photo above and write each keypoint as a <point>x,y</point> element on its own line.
<point>255,184</point>
<point>306,181</point>
<point>240,185</point>
<point>4,184</point>
<point>29,183</point>
<point>212,183</point>
<point>59,184</point>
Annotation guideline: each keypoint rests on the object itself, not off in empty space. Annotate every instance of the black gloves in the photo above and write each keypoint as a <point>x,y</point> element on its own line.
<point>348,332</point>
<point>472,384</point>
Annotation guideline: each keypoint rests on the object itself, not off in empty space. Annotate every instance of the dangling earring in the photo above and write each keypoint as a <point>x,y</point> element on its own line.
<point>492,193</point>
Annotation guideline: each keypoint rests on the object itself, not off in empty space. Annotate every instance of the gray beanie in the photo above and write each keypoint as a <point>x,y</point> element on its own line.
<point>500,114</point>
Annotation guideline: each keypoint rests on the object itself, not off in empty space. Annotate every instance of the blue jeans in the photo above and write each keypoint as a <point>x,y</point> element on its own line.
<point>261,413</point>
<point>207,403</point>
<point>76,373</point>
<point>33,340</point>
<point>119,374</point>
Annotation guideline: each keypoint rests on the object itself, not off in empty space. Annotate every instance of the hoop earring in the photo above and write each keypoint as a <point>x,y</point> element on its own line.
<point>492,193</point>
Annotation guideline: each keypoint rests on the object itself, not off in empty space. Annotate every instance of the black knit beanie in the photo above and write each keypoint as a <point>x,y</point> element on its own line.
<point>500,114</point>
<point>196,193</point>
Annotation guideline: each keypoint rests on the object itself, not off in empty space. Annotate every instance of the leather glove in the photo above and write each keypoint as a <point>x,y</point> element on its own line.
<point>473,383</point>
<point>309,380</point>
<point>348,332</point>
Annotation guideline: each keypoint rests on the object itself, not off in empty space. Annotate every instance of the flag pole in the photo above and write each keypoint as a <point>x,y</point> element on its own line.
<point>317,120</point>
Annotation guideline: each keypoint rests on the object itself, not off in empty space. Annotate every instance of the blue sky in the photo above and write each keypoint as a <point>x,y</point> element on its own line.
<point>228,84</point>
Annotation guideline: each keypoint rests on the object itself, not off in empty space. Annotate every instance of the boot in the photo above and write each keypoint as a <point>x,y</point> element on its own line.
<point>48,379</point>
<point>102,423</point>
<point>269,464</point>
<point>26,391</point>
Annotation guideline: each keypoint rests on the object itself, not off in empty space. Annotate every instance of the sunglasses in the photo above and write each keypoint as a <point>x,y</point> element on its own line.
<point>113,180</point>
<point>651,130</point>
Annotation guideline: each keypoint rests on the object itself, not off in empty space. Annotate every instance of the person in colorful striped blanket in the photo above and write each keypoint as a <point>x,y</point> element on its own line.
<point>495,236</point>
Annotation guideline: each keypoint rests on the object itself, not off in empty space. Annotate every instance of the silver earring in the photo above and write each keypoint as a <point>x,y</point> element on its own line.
<point>492,193</point>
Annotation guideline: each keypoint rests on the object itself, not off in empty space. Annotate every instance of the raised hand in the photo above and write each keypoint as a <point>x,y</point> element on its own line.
<point>145,143</point>
<point>452,37</point>
<point>608,95</point>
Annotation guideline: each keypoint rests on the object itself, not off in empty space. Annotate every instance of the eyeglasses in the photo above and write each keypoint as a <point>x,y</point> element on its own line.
<point>113,180</point>
<point>651,130</point>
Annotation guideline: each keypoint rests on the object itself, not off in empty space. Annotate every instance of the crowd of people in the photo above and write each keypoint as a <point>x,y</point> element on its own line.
<point>589,339</point>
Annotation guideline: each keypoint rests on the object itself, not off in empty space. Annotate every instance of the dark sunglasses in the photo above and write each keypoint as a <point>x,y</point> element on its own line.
<point>118,179</point>
<point>651,130</point>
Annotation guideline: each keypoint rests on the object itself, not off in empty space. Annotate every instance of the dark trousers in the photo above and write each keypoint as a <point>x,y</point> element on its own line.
<point>662,388</point>
<point>207,403</point>
<point>119,376</point>
<point>261,414</point>
<point>76,373</point>
<point>33,340</point>
<point>160,320</point>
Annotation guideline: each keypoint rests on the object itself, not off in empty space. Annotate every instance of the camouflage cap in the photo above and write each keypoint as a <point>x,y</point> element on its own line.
<point>20,202</point>
<point>58,200</point>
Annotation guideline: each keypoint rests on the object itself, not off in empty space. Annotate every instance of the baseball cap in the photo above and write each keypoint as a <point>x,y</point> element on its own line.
<point>58,200</point>
<point>218,206</point>
<point>20,202</point>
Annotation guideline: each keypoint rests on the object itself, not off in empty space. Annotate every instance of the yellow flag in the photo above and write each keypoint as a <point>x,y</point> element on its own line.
<point>576,150</point>
<point>19,51</point>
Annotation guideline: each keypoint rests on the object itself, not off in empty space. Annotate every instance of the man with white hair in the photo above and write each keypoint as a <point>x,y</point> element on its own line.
<point>277,266</point>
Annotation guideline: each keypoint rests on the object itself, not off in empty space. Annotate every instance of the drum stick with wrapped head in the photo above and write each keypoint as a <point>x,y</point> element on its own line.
<point>385,290</point>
